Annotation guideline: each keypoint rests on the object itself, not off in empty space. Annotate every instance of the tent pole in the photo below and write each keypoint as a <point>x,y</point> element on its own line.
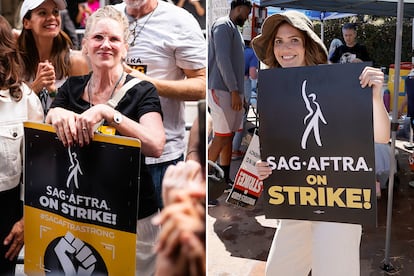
<point>394,127</point>
<point>412,40</point>
<point>322,30</point>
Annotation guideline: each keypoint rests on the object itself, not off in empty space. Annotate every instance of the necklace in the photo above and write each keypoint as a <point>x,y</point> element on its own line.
<point>112,93</point>
<point>133,33</point>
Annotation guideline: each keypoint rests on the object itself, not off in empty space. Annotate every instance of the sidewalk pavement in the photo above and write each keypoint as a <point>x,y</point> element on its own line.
<point>239,240</point>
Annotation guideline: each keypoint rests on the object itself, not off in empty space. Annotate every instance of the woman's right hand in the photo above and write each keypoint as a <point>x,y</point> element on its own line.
<point>64,123</point>
<point>263,169</point>
<point>45,77</point>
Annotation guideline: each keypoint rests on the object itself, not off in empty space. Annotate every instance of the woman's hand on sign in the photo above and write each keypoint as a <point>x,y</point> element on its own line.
<point>64,123</point>
<point>263,169</point>
<point>374,78</point>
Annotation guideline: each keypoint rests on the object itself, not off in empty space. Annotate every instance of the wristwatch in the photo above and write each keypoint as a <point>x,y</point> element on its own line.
<point>117,118</point>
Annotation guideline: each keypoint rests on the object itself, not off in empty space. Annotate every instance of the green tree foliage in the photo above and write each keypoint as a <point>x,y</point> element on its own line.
<point>376,33</point>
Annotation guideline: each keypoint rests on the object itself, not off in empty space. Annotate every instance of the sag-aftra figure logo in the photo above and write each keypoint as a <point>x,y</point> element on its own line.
<point>311,120</point>
<point>74,169</point>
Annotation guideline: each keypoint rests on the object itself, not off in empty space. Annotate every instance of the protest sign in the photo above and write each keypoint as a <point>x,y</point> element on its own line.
<point>247,187</point>
<point>316,132</point>
<point>80,207</point>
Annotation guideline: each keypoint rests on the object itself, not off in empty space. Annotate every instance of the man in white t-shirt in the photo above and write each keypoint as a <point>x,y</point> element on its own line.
<point>167,48</point>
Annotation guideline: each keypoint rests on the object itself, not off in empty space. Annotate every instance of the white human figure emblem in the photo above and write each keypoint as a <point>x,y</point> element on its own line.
<point>312,118</point>
<point>74,169</point>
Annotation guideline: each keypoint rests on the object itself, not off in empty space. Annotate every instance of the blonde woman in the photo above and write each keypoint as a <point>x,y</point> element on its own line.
<point>81,104</point>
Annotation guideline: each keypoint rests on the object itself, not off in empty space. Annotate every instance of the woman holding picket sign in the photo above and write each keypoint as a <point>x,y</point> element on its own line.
<point>110,101</point>
<point>325,248</point>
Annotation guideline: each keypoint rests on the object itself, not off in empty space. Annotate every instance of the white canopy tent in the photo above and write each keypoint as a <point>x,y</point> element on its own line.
<point>314,15</point>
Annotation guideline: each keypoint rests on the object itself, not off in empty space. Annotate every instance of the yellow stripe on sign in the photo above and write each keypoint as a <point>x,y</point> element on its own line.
<point>109,248</point>
<point>113,139</point>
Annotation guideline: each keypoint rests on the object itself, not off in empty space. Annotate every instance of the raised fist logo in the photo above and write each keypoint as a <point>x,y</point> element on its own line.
<point>69,255</point>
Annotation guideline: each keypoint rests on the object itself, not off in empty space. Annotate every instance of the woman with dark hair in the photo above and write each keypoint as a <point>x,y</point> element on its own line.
<point>17,104</point>
<point>45,49</point>
<point>300,246</point>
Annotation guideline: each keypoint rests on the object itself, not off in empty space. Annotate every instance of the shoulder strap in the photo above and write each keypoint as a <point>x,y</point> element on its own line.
<point>113,102</point>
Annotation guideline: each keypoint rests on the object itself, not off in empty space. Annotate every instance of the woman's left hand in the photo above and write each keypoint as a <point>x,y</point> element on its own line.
<point>372,77</point>
<point>89,120</point>
<point>15,239</point>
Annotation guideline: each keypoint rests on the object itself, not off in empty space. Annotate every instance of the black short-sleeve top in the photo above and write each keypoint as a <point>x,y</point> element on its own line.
<point>137,101</point>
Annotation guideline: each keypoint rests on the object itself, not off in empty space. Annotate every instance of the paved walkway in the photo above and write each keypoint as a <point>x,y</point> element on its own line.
<point>239,240</point>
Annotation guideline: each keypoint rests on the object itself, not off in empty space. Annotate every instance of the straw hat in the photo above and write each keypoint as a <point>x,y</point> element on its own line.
<point>294,18</point>
<point>29,5</point>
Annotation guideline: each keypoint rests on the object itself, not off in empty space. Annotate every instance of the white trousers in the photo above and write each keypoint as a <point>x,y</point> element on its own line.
<point>326,248</point>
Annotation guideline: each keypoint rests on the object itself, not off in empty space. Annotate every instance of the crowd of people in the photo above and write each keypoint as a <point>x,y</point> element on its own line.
<point>46,79</point>
<point>48,75</point>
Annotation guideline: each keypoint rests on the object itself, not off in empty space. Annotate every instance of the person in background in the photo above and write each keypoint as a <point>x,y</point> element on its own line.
<point>352,51</point>
<point>18,103</point>
<point>45,49</point>
<point>69,28</point>
<point>301,246</point>
<point>73,10</point>
<point>250,82</point>
<point>335,43</point>
<point>82,103</point>
<point>197,8</point>
<point>181,249</point>
<point>85,10</point>
<point>167,48</point>
<point>226,82</point>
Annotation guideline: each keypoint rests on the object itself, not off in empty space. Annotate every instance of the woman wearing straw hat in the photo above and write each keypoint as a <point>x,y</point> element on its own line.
<point>325,248</point>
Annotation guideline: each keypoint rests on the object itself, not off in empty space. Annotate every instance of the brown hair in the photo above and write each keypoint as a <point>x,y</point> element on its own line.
<point>313,55</point>
<point>10,65</point>
<point>30,56</point>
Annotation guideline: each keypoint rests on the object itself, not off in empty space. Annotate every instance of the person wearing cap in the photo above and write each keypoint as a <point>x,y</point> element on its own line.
<point>45,49</point>
<point>351,51</point>
<point>300,246</point>
<point>226,82</point>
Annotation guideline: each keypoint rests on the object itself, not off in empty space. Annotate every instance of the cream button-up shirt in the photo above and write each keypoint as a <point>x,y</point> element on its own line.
<point>12,115</point>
